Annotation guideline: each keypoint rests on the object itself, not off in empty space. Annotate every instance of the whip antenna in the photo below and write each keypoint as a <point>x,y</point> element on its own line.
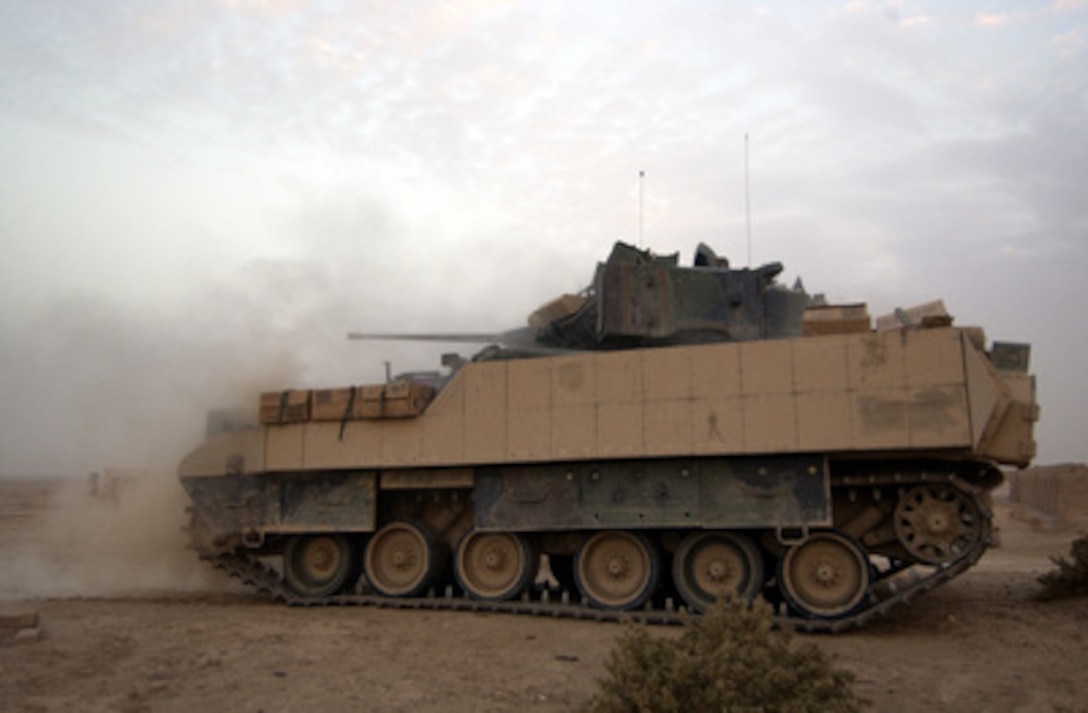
<point>747,203</point>
<point>641,175</point>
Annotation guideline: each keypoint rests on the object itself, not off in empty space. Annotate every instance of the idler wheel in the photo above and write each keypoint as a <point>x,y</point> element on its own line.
<point>937,522</point>
<point>617,570</point>
<point>826,577</point>
<point>495,566</point>
<point>402,559</point>
<point>319,565</point>
<point>709,566</point>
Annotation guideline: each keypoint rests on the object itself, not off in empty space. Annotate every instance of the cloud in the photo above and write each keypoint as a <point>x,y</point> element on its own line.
<point>1069,5</point>
<point>991,19</point>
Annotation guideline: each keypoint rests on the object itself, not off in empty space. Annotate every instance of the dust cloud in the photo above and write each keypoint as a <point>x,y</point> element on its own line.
<point>97,383</point>
<point>93,381</point>
<point>124,538</point>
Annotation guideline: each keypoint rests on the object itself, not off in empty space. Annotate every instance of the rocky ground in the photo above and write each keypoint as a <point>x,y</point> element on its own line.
<point>131,622</point>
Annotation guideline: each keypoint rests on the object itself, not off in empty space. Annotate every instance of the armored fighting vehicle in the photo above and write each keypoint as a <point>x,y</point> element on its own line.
<point>671,436</point>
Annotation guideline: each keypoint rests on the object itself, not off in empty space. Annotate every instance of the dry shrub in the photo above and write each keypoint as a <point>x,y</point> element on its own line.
<point>731,659</point>
<point>1069,578</point>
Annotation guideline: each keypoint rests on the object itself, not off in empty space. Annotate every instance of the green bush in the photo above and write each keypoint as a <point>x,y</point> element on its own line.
<point>1071,577</point>
<point>731,659</point>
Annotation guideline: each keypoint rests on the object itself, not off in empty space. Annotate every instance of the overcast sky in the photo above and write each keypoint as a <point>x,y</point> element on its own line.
<point>199,199</point>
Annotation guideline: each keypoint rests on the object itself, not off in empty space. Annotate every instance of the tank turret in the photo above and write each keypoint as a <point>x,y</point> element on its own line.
<point>639,299</point>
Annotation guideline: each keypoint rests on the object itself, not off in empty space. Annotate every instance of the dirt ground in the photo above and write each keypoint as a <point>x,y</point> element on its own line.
<point>131,622</point>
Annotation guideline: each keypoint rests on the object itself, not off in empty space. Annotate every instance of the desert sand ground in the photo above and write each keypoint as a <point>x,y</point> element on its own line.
<point>130,621</point>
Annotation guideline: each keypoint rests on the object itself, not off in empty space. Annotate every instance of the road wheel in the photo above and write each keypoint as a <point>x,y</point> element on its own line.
<point>402,559</point>
<point>617,570</point>
<point>827,576</point>
<point>495,566</point>
<point>709,566</point>
<point>319,565</point>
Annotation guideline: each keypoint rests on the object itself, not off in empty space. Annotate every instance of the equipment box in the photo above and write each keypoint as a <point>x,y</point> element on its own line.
<point>337,404</point>
<point>397,399</point>
<point>285,407</point>
<point>836,319</point>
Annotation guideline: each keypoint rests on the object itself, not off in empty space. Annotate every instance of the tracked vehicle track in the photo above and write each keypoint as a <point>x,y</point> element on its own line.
<point>887,592</point>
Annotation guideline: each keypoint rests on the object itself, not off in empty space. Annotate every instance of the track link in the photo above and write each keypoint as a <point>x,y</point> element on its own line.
<point>887,593</point>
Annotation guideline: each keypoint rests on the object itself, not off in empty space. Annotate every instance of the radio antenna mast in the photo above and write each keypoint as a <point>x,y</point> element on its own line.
<point>747,202</point>
<point>641,175</point>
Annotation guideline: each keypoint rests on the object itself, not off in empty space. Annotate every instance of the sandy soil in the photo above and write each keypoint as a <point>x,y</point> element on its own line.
<point>132,623</point>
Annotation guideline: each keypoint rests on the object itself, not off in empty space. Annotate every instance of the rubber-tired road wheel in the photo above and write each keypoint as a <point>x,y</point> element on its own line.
<point>402,559</point>
<point>495,566</point>
<point>709,566</point>
<point>826,577</point>
<point>319,565</point>
<point>617,570</point>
